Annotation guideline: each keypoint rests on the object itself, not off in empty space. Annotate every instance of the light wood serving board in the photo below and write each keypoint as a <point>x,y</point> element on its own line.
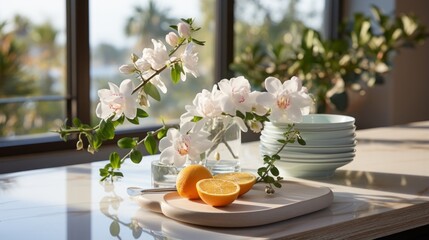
<point>252,209</point>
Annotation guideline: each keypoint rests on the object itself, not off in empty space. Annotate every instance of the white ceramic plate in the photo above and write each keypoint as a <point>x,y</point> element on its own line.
<point>313,134</point>
<point>308,145</point>
<point>304,155</point>
<point>253,209</point>
<point>311,142</point>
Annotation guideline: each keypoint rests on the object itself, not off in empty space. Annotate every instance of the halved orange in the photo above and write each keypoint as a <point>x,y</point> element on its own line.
<point>244,179</point>
<point>217,192</point>
<point>187,179</point>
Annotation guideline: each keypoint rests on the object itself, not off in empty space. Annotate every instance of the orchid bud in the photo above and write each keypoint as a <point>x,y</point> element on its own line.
<point>134,57</point>
<point>172,39</point>
<point>91,149</point>
<point>127,69</point>
<point>184,30</point>
<point>79,145</point>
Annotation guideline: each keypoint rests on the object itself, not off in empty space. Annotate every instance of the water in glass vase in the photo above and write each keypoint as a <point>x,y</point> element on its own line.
<point>163,175</point>
<point>224,156</point>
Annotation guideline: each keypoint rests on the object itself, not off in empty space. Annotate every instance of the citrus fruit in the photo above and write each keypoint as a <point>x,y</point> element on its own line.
<point>187,180</point>
<point>243,179</point>
<point>217,192</point>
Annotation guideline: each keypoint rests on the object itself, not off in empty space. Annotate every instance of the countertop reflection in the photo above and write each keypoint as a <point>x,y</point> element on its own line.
<point>383,191</point>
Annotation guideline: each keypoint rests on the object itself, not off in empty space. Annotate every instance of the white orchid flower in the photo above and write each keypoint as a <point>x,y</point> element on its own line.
<point>288,101</point>
<point>142,64</point>
<point>158,56</point>
<point>206,104</point>
<point>117,101</point>
<point>239,95</point>
<point>183,144</point>
<point>190,61</point>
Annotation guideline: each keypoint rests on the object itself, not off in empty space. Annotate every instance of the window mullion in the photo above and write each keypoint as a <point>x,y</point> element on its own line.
<point>78,60</point>
<point>224,47</point>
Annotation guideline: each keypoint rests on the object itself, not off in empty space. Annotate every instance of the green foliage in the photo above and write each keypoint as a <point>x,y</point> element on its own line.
<point>269,173</point>
<point>176,71</point>
<point>150,144</point>
<point>358,59</point>
<point>152,91</point>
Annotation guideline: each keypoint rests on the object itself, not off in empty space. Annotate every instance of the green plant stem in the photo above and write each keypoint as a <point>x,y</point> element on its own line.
<point>144,81</point>
<point>219,138</point>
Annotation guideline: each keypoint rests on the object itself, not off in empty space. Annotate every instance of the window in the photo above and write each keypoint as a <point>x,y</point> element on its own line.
<point>89,40</point>
<point>266,33</point>
<point>32,68</point>
<point>135,24</point>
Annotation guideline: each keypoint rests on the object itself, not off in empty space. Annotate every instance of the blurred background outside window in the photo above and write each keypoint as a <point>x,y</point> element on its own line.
<point>33,81</point>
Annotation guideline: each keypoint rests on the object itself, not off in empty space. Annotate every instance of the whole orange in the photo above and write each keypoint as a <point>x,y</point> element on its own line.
<point>187,180</point>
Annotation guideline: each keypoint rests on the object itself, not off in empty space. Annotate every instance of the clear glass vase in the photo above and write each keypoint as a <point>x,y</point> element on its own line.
<point>163,175</point>
<point>224,155</point>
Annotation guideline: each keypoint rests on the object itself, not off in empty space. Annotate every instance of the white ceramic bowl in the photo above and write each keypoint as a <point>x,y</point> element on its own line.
<point>309,170</point>
<point>318,122</point>
<point>301,155</point>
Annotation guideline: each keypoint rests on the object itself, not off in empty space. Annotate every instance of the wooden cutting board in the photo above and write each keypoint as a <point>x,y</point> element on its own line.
<point>252,209</point>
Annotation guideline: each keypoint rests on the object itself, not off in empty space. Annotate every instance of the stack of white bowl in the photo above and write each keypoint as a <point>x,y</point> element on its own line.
<point>330,144</point>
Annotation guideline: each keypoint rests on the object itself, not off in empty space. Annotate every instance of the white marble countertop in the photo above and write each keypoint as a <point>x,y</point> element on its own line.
<point>383,191</point>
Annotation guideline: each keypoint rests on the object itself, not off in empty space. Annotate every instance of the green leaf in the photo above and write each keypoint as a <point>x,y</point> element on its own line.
<point>161,133</point>
<point>136,156</point>
<point>142,113</point>
<point>196,119</point>
<point>269,179</point>
<point>108,131</point>
<point>114,229</point>
<point>240,115</point>
<point>118,174</point>
<point>94,141</point>
<point>276,157</point>
<point>274,171</point>
<point>127,143</point>
<point>134,121</point>
<point>175,72</point>
<point>174,27</point>
<point>77,122</point>
<point>262,171</point>
<point>282,141</point>
<point>152,91</point>
<point>277,184</point>
<point>249,116</point>
<point>150,144</point>
<point>103,172</point>
<point>301,141</point>
<point>115,160</point>
<point>201,43</point>
<point>118,121</point>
